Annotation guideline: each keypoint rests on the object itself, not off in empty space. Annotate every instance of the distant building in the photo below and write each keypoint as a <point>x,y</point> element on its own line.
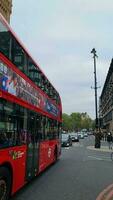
<point>6,9</point>
<point>106,102</point>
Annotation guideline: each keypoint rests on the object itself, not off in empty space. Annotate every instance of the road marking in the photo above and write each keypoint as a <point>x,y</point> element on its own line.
<point>94,157</point>
<point>98,158</point>
<point>77,145</point>
<point>102,149</point>
<point>66,147</point>
<point>106,194</point>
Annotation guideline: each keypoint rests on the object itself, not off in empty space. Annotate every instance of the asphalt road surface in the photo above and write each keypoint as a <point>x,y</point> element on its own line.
<point>80,174</point>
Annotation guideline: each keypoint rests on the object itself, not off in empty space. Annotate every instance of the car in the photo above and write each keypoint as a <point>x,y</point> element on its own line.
<point>66,140</point>
<point>85,134</point>
<point>74,137</point>
<point>90,133</point>
<point>81,135</point>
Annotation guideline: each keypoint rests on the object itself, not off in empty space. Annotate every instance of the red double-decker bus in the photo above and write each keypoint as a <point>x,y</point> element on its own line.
<point>30,116</point>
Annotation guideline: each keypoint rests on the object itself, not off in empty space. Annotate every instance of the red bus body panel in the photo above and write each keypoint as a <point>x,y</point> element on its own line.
<point>16,157</point>
<point>47,153</point>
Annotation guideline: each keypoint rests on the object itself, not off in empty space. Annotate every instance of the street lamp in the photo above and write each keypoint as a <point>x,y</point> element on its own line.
<point>95,86</point>
<point>97,136</point>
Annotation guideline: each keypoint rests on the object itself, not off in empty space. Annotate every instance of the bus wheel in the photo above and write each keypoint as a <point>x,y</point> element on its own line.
<point>5,183</point>
<point>56,154</point>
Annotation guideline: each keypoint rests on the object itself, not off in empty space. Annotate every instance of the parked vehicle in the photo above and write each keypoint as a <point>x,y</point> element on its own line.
<point>66,140</point>
<point>74,137</point>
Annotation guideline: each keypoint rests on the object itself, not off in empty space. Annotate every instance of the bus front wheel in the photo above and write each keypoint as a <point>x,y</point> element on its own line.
<point>5,183</point>
<point>56,154</point>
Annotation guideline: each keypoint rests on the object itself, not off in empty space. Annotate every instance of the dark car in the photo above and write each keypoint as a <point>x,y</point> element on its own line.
<point>74,137</point>
<point>66,140</point>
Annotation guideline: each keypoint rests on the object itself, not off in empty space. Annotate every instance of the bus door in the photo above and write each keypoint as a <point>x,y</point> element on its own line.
<point>32,146</point>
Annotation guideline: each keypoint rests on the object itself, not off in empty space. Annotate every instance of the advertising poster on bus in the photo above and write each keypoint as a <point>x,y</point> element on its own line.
<point>19,87</point>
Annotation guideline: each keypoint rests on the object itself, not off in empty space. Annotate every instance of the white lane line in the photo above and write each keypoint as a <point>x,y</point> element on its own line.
<point>97,158</point>
<point>100,156</point>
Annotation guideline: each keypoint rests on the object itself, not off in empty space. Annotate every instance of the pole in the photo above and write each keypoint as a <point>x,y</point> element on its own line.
<point>95,78</point>
<point>97,136</point>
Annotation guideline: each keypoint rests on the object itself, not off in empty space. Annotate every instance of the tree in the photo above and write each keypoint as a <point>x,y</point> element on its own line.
<point>77,121</point>
<point>66,122</point>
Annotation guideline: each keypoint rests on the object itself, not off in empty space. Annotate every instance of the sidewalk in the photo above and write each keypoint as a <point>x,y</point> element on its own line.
<point>104,147</point>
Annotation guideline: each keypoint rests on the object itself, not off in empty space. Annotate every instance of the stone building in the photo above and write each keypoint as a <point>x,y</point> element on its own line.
<point>106,102</point>
<point>6,9</point>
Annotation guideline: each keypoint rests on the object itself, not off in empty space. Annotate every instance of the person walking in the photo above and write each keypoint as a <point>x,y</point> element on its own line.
<point>109,140</point>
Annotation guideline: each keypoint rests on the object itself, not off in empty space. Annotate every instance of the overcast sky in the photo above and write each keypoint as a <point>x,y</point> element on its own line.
<point>60,35</point>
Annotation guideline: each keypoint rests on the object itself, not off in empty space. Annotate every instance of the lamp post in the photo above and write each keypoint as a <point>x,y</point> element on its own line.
<point>97,135</point>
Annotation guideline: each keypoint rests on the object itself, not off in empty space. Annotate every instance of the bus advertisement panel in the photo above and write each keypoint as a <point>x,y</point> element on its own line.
<point>14,84</point>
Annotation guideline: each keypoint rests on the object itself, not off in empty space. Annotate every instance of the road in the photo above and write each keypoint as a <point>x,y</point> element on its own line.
<point>80,174</point>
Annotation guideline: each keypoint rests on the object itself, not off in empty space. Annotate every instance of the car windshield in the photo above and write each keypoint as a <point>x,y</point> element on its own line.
<point>64,136</point>
<point>73,134</point>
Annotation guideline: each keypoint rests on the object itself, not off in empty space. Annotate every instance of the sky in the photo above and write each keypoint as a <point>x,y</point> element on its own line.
<point>60,35</point>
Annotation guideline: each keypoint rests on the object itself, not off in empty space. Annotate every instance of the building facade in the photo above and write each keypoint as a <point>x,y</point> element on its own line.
<point>6,9</point>
<point>106,102</point>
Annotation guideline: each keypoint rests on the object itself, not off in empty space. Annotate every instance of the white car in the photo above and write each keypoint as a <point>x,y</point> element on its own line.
<point>85,134</point>
<point>81,135</point>
<point>74,137</point>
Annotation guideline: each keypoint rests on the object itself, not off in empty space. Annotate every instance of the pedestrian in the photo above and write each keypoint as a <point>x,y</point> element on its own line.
<point>109,140</point>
